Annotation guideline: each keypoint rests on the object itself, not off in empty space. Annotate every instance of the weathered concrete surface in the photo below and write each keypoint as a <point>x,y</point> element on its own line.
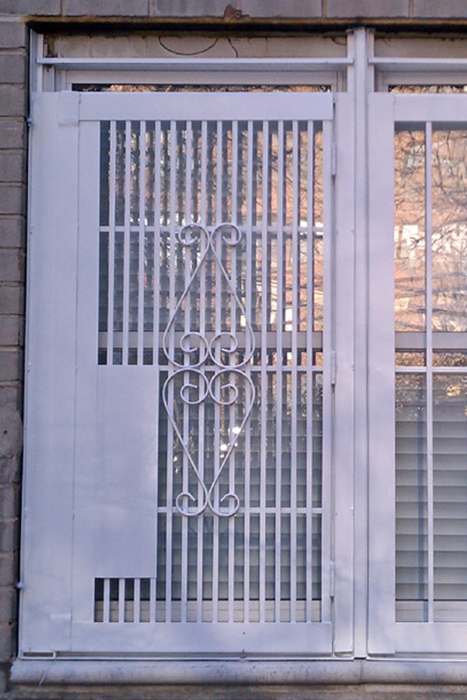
<point>242,692</point>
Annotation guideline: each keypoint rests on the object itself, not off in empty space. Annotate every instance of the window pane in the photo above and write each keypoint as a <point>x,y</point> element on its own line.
<point>410,229</point>
<point>449,245</point>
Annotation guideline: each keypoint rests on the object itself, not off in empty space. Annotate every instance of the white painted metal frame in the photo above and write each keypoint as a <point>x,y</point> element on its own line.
<point>387,636</point>
<point>97,393</point>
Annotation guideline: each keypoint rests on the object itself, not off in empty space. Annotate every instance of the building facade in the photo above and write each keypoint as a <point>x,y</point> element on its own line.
<point>233,324</point>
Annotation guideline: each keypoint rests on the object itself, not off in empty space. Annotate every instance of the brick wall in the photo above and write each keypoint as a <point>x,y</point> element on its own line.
<point>14,14</point>
<point>13,63</point>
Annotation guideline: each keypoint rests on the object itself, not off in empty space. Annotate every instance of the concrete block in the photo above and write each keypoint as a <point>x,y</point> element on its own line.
<point>301,9</point>
<point>4,678</point>
<point>13,133</point>
<point>12,199</point>
<point>11,331</point>
<point>13,69</point>
<point>9,535</point>
<point>7,641</point>
<point>11,433</point>
<point>10,470</point>
<point>10,502</point>
<point>432,9</point>
<point>30,7</point>
<point>11,368</point>
<point>12,232</point>
<point>12,101</point>
<point>8,569</point>
<point>11,395</point>
<point>8,604</point>
<point>191,8</point>
<point>13,35</point>
<point>107,8</point>
<point>367,8</point>
<point>12,166</point>
<point>11,266</point>
<point>12,300</point>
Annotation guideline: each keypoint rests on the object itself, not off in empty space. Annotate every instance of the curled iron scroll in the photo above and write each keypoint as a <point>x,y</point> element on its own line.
<point>213,369</point>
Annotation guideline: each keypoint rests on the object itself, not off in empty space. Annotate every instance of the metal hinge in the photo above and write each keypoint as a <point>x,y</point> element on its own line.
<point>332,579</point>
<point>333,367</point>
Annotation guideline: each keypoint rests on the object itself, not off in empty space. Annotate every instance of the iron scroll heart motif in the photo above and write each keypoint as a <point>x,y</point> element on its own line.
<point>208,366</point>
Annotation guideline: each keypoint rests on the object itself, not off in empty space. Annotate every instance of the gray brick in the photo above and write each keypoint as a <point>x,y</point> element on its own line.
<point>12,232</point>
<point>190,8</point>
<point>11,432</point>
<point>11,396</point>
<point>12,200</point>
<point>107,8</point>
<point>9,502</point>
<point>448,9</point>
<point>367,8</point>
<point>9,535</point>
<point>11,331</point>
<point>10,368</point>
<point>12,166</point>
<point>30,7</point>
<point>277,8</point>
<point>8,569</point>
<point>11,266</point>
<point>13,68</point>
<point>8,604</point>
<point>4,678</point>
<point>7,641</point>
<point>12,101</point>
<point>13,133</point>
<point>13,35</point>
<point>10,470</point>
<point>12,299</point>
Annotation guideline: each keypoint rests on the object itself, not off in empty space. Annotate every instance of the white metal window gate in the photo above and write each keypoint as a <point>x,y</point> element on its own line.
<point>180,379</point>
<point>418,397</point>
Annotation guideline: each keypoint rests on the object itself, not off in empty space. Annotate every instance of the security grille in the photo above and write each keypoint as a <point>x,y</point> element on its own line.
<point>211,269</point>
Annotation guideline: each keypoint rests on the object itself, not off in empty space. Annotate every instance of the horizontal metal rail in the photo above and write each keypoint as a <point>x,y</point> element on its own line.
<point>170,64</point>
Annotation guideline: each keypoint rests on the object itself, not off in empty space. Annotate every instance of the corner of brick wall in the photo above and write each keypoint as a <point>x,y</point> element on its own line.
<point>13,151</point>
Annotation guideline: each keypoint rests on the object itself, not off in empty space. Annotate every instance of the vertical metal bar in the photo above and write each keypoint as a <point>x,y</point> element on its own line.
<point>249,292</point>
<point>429,363</point>
<point>309,372</point>
<point>233,326</point>
<point>328,303</point>
<point>157,241</point>
<point>155,318</point>
<point>141,247</point>
<point>152,600</point>
<point>360,88</point>
<point>112,203</point>
<point>137,601</point>
<point>217,409</point>
<point>126,245</point>
<point>264,374</point>
<point>186,407</point>
<point>202,413</point>
<point>295,320</point>
<point>170,432</point>
<point>279,366</point>
<point>121,600</point>
<point>106,606</point>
